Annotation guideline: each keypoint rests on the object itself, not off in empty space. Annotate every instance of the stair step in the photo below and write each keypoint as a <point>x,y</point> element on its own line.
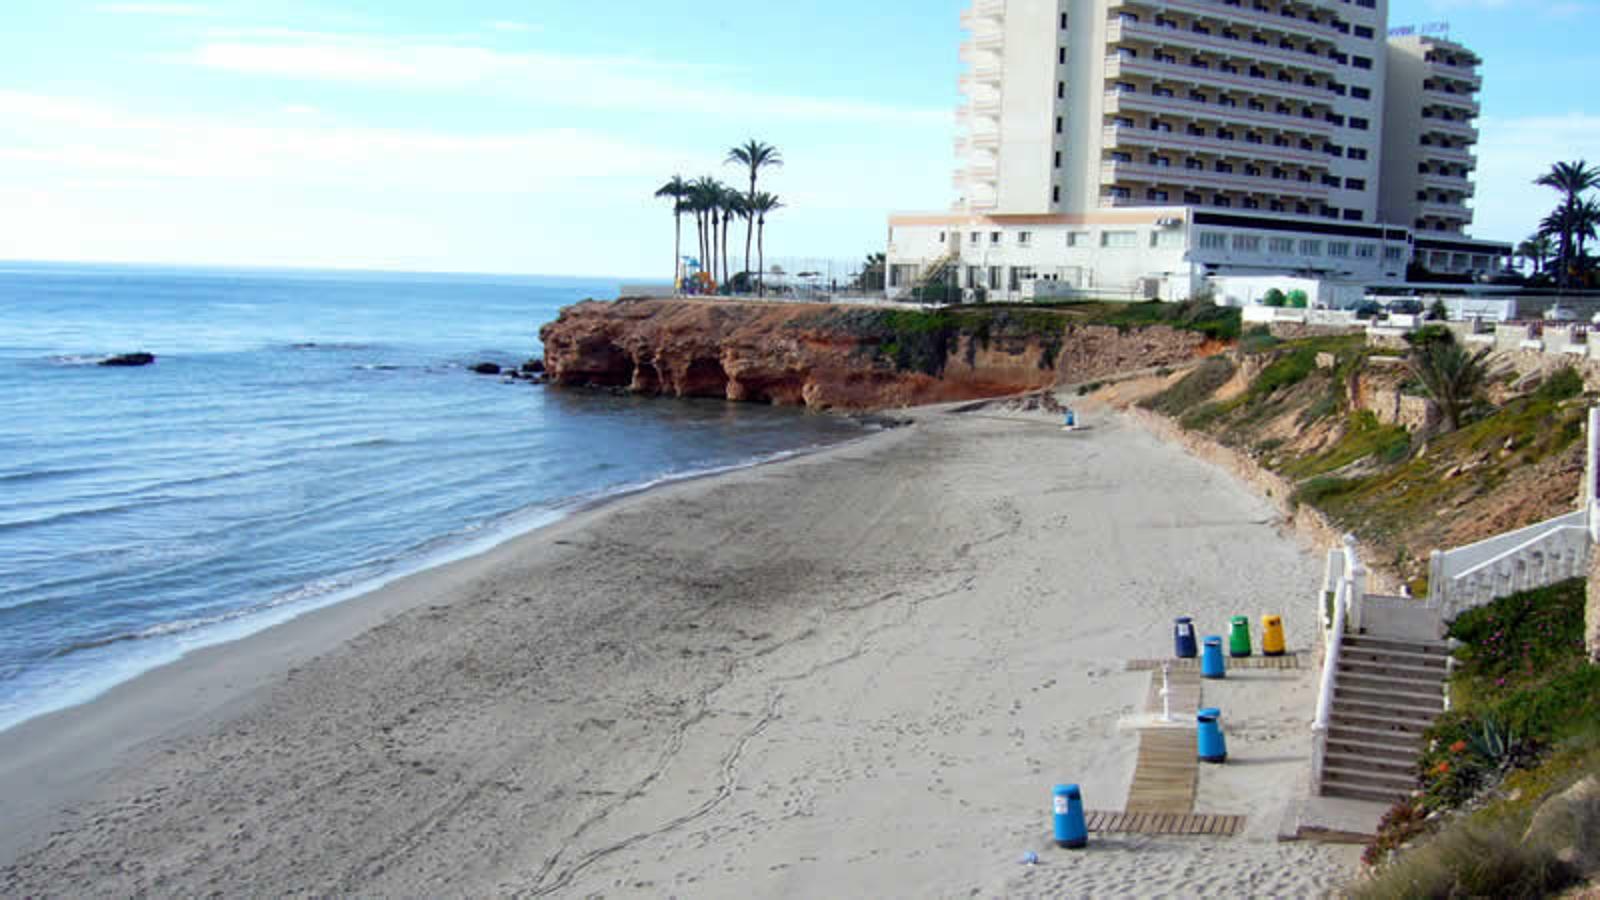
<point>1363,777</point>
<point>1362,760</point>
<point>1375,737</point>
<point>1373,750</point>
<point>1389,670</point>
<point>1351,792</point>
<point>1395,657</point>
<point>1412,727</point>
<point>1433,648</point>
<point>1422,687</point>
<point>1433,703</point>
<point>1391,709</point>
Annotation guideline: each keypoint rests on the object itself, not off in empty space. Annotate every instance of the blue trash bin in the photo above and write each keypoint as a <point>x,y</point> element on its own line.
<point>1213,746</point>
<point>1211,662</point>
<point>1072,831</point>
<point>1183,638</point>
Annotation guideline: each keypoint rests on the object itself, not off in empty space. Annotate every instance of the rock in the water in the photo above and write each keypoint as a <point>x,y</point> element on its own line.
<point>129,359</point>
<point>533,367</point>
<point>486,369</point>
<point>1569,824</point>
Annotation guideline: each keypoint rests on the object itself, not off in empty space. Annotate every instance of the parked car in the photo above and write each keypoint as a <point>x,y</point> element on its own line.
<point>1369,310</point>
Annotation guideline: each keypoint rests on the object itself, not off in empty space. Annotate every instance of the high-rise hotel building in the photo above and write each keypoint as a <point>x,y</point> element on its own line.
<point>1135,147</point>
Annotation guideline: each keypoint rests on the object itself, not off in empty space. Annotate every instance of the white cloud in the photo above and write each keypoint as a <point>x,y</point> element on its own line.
<point>588,82</point>
<point>155,9</point>
<point>518,27</point>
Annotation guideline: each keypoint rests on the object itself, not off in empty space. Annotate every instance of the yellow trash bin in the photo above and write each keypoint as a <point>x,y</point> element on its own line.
<point>1272,636</point>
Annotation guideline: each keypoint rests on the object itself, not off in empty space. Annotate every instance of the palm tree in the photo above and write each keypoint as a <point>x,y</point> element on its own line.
<point>755,156</point>
<point>703,195</point>
<point>678,190</point>
<point>1585,223</point>
<point>1452,375</point>
<point>1572,179</point>
<point>761,206</point>
<point>1536,250</point>
<point>734,206</point>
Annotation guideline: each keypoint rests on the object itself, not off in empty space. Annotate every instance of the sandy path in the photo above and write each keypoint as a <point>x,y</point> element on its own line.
<point>855,674</point>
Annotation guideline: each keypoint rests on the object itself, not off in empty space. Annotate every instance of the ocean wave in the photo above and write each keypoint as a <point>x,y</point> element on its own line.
<point>46,474</point>
<point>333,346</point>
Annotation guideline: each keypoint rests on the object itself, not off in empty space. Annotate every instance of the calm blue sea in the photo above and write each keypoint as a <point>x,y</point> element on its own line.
<point>301,437</point>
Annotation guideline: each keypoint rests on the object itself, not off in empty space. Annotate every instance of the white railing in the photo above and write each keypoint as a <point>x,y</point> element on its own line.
<point>1346,581</point>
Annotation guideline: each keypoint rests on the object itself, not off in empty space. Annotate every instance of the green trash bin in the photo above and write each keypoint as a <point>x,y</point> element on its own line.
<point>1239,637</point>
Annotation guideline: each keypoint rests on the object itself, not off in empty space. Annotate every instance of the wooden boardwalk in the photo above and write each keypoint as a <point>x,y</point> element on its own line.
<point>1166,775</point>
<point>1163,823</point>
<point>1287,661</point>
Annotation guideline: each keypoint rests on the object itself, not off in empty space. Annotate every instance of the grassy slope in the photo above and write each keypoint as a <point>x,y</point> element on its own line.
<point>1503,469</point>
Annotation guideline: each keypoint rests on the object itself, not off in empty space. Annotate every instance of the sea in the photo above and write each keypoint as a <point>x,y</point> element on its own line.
<point>302,437</point>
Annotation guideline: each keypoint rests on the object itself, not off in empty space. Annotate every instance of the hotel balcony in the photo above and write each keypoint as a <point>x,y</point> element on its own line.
<point>1186,76</point>
<point>1128,101</point>
<point>1446,182</point>
<point>1222,12</point>
<point>1450,212</point>
<point>1457,74</point>
<point>992,41</point>
<point>1118,32</point>
<point>987,109</point>
<point>1119,173</point>
<point>1456,101</point>
<point>1457,155</point>
<point>1456,130</point>
<point>1119,136</point>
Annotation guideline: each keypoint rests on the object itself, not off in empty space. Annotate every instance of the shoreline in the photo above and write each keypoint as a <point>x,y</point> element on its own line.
<point>433,553</point>
<point>215,679</point>
<point>855,671</point>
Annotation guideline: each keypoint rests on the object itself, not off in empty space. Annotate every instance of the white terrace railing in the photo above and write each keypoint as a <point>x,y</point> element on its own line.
<point>1343,592</point>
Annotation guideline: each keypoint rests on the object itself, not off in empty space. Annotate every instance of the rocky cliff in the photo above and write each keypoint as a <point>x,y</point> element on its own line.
<point>851,358</point>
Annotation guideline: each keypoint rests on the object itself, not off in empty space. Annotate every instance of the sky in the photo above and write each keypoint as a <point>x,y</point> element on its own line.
<point>529,136</point>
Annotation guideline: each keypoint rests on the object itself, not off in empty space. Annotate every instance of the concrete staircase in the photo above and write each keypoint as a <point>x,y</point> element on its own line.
<point>1387,690</point>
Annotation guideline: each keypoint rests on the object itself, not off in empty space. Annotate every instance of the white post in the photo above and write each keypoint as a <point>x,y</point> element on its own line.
<point>1436,579</point>
<point>1356,577</point>
<point>1591,468</point>
<point>1166,693</point>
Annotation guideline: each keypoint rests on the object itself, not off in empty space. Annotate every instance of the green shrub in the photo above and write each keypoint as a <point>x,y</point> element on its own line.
<point>1560,386</point>
<point>1298,299</point>
<point>1317,490</point>
<point>1274,298</point>
<point>1519,639</point>
<point>1472,859</point>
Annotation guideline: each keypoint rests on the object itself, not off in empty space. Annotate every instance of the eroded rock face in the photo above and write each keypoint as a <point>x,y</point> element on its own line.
<point>826,357</point>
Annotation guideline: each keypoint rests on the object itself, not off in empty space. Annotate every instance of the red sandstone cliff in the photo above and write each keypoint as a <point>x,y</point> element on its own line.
<point>828,357</point>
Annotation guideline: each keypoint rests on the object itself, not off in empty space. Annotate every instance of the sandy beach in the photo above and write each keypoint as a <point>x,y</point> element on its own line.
<point>856,673</point>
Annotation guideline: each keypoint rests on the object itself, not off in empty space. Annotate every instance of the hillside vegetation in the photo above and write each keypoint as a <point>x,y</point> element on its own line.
<point>1330,414</point>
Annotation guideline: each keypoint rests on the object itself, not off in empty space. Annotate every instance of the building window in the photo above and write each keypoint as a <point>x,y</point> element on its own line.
<point>1246,243</point>
<point>1213,240</point>
<point>994,237</point>
<point>1354,215</point>
<point>1077,239</point>
<point>1061,90</point>
<point>975,238</point>
<point>1361,62</point>
<point>994,277</point>
<point>1055,194</point>
<point>1366,251</point>
<point>1024,238</point>
<point>1058,124</point>
<point>1361,93</point>
<point>1119,239</point>
<point>1359,124</point>
<point>975,277</point>
<point>1339,249</point>
<point>1058,159</point>
<point>1356,153</point>
<point>1394,253</point>
<point>1280,246</point>
<point>1063,21</point>
<point>1355,184</point>
<point>1019,274</point>
<point>1166,240</point>
<point>1310,248</point>
<point>1156,196</point>
<point>1061,56</point>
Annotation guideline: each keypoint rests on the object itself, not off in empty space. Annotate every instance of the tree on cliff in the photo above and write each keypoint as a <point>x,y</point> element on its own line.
<point>678,190</point>
<point>734,206</point>
<point>755,156</point>
<point>1572,180</point>
<point>762,205</point>
<point>1536,250</point>
<point>704,197</point>
<point>1452,375</point>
